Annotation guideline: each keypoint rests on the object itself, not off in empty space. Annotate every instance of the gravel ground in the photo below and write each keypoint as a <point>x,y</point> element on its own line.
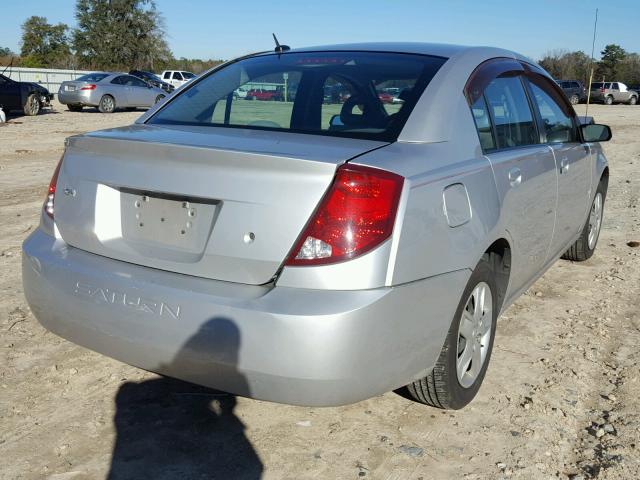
<point>560,399</point>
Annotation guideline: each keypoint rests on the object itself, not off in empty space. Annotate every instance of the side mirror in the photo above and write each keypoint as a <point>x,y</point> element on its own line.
<point>595,133</point>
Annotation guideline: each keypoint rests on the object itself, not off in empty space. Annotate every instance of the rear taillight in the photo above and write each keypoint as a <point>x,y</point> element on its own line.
<point>51,195</point>
<point>88,87</point>
<point>356,215</point>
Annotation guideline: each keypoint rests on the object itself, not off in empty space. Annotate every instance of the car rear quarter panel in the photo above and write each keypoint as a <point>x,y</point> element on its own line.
<point>430,241</point>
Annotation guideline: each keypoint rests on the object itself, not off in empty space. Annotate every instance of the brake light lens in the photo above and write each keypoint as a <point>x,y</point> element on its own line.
<point>356,215</point>
<point>88,87</point>
<point>51,195</point>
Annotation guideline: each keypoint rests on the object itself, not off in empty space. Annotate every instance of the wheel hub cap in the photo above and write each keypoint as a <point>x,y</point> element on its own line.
<point>474,334</point>
<point>595,221</point>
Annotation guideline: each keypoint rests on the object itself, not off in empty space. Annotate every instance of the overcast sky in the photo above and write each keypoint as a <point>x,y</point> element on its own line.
<point>225,29</point>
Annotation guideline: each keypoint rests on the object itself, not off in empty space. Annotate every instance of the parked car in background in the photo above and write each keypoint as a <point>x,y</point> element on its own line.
<point>108,91</point>
<point>385,97</point>
<point>613,92</point>
<point>177,78</point>
<point>574,90</point>
<point>30,98</point>
<point>240,92</point>
<point>264,94</point>
<point>276,254</point>
<point>152,79</point>
<point>636,88</point>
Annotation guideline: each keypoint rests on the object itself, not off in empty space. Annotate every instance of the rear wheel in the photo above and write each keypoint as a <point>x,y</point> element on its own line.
<point>75,108</point>
<point>575,99</point>
<point>583,248</point>
<point>462,364</point>
<point>633,100</point>
<point>608,100</point>
<point>107,104</point>
<point>32,105</point>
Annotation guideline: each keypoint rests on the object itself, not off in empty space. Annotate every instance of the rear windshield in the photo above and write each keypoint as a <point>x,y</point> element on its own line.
<point>353,94</point>
<point>187,74</point>
<point>597,85</point>
<point>92,77</point>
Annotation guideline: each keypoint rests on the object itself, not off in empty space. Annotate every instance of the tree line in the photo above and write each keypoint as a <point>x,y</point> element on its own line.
<point>110,35</point>
<point>130,34</point>
<point>615,64</point>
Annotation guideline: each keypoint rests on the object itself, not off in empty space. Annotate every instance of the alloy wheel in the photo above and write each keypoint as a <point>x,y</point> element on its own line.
<point>34,105</point>
<point>474,334</point>
<point>595,221</point>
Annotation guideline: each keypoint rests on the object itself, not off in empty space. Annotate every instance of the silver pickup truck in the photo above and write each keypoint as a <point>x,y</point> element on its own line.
<point>613,92</point>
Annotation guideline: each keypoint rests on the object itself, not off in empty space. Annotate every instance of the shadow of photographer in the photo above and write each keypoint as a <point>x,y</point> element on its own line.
<point>170,429</point>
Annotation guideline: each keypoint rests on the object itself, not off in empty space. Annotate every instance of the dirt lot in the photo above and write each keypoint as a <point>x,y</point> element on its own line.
<point>560,399</point>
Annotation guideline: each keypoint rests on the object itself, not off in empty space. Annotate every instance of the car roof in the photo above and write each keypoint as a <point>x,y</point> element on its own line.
<point>444,50</point>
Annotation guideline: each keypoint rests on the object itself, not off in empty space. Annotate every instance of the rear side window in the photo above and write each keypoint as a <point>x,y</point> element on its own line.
<point>121,80</point>
<point>177,76</point>
<point>326,93</point>
<point>483,124</point>
<point>92,77</point>
<point>511,114</point>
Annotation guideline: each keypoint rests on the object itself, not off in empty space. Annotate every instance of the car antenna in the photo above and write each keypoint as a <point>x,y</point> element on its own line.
<point>280,48</point>
<point>593,45</point>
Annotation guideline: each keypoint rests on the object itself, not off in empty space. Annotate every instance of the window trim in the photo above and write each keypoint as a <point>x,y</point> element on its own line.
<point>559,99</point>
<point>493,68</point>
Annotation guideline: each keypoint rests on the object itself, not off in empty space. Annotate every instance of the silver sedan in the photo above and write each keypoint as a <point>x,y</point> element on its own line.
<point>108,91</point>
<point>316,253</point>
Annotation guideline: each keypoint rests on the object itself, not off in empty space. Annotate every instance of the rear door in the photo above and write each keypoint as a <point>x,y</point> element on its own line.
<point>139,93</point>
<point>524,170</point>
<point>117,88</point>
<point>573,159</point>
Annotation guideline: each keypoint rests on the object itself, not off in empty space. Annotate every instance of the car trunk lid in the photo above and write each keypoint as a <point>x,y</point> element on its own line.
<point>219,203</point>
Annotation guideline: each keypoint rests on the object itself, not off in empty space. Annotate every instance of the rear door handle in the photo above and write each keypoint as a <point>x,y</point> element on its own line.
<point>564,165</point>
<point>515,177</point>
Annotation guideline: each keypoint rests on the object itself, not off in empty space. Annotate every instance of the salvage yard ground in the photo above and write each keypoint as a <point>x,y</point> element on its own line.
<point>560,399</point>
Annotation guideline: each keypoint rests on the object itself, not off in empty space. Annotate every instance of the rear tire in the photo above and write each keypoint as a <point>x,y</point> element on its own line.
<point>107,104</point>
<point>608,100</point>
<point>455,379</point>
<point>583,248</point>
<point>74,108</point>
<point>575,99</point>
<point>32,105</point>
<point>633,100</point>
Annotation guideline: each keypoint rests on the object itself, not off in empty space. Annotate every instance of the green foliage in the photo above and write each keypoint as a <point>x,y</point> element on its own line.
<point>44,44</point>
<point>119,35</point>
<point>562,64</point>
<point>612,55</point>
<point>615,65</point>
<point>5,52</point>
<point>190,65</point>
<point>629,69</point>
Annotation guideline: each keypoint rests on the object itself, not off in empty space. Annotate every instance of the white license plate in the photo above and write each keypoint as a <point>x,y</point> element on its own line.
<point>69,88</point>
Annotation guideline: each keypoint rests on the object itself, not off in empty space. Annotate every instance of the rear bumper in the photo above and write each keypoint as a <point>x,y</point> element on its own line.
<point>78,97</point>
<point>289,345</point>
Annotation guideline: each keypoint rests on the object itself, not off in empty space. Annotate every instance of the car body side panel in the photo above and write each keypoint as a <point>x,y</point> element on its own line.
<point>573,161</point>
<point>426,244</point>
<point>291,345</point>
